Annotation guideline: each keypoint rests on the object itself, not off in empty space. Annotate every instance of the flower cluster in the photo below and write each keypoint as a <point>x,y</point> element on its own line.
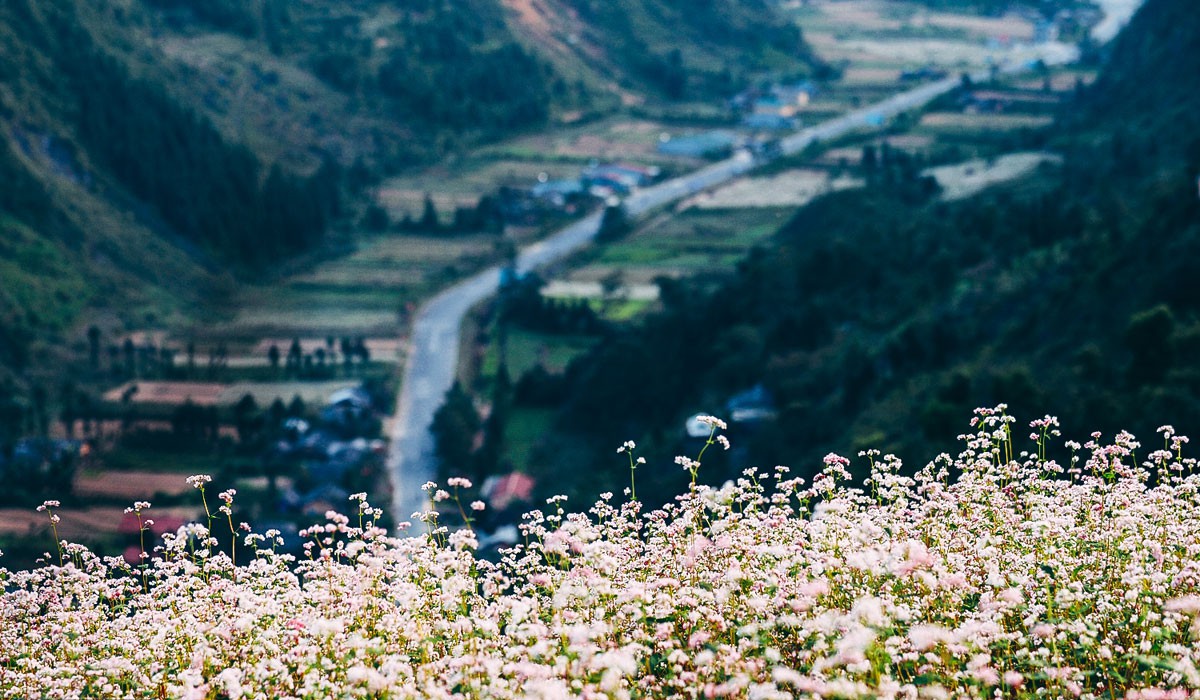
<point>996,574</point>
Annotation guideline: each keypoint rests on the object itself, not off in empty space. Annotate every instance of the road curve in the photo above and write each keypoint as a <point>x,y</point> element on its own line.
<point>433,359</point>
<point>433,350</point>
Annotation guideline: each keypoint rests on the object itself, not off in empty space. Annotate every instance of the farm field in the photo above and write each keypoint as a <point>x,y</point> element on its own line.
<point>962,180</point>
<point>697,239</point>
<point>362,293</point>
<point>791,188</point>
<point>956,121</point>
<point>520,162</point>
<point>890,36</point>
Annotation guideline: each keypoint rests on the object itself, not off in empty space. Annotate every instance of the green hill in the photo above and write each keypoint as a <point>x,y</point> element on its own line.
<point>154,151</point>
<point>878,318</point>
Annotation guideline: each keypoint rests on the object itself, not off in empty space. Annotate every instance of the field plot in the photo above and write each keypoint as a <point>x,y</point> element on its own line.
<point>264,393</point>
<point>895,18</point>
<point>557,154</point>
<point>876,39</point>
<point>580,289</point>
<point>959,122</point>
<point>792,188</point>
<point>168,393</point>
<point>610,138</point>
<point>694,241</point>
<point>942,52</point>
<point>77,524</point>
<point>462,184</point>
<point>965,179</point>
<point>527,349</point>
<point>389,349</point>
<point>131,485</point>
<point>862,75</point>
<point>364,293</point>
<point>1063,80</point>
<point>1009,27</point>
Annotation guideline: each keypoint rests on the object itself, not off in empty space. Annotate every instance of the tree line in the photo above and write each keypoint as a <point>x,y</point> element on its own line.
<point>209,191</point>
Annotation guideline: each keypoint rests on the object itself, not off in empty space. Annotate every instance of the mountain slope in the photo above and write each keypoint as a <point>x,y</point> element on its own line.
<point>147,146</point>
<point>667,48</point>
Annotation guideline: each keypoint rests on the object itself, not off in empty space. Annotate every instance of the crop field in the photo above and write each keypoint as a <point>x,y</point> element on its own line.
<point>1062,80</point>
<point>168,393</point>
<point>609,138</point>
<point>77,523</point>
<point>177,465</point>
<point>520,162</point>
<point>264,393</point>
<point>696,240</point>
<point>128,486</point>
<point>462,184</point>
<point>879,17</point>
<point>386,350</point>
<point>527,349</point>
<point>791,188</point>
<point>962,180</point>
<point>952,122</point>
<point>876,39</point>
<point>943,52</point>
<point>171,393</point>
<point>364,293</point>
<point>579,289</point>
<point>693,241</point>
<point>523,432</point>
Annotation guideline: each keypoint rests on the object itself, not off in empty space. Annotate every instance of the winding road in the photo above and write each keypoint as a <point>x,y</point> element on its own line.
<point>433,352</point>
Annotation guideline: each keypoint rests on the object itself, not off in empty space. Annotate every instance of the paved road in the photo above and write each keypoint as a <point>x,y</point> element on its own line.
<point>433,356</point>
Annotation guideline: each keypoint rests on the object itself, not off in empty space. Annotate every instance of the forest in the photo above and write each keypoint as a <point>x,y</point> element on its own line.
<point>207,190</point>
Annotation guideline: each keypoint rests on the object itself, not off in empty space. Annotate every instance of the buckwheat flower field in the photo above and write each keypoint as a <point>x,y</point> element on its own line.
<point>999,573</point>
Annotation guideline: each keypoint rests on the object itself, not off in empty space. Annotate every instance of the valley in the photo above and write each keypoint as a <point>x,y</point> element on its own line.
<point>365,288</point>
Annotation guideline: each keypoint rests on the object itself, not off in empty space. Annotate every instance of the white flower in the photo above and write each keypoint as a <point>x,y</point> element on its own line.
<point>199,480</point>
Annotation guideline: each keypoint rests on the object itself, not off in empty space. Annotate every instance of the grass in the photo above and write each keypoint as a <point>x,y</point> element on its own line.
<point>695,239</point>
<point>181,461</point>
<point>366,290</point>
<point>620,310</point>
<point>277,114</point>
<point>376,368</point>
<point>40,276</point>
<point>527,349</point>
<point>524,430</point>
<point>956,122</point>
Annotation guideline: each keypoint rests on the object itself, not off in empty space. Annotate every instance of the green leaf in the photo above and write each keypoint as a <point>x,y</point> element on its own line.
<point>1155,662</point>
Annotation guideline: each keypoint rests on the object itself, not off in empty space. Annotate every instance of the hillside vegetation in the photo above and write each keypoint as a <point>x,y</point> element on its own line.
<point>876,316</point>
<point>154,151</point>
